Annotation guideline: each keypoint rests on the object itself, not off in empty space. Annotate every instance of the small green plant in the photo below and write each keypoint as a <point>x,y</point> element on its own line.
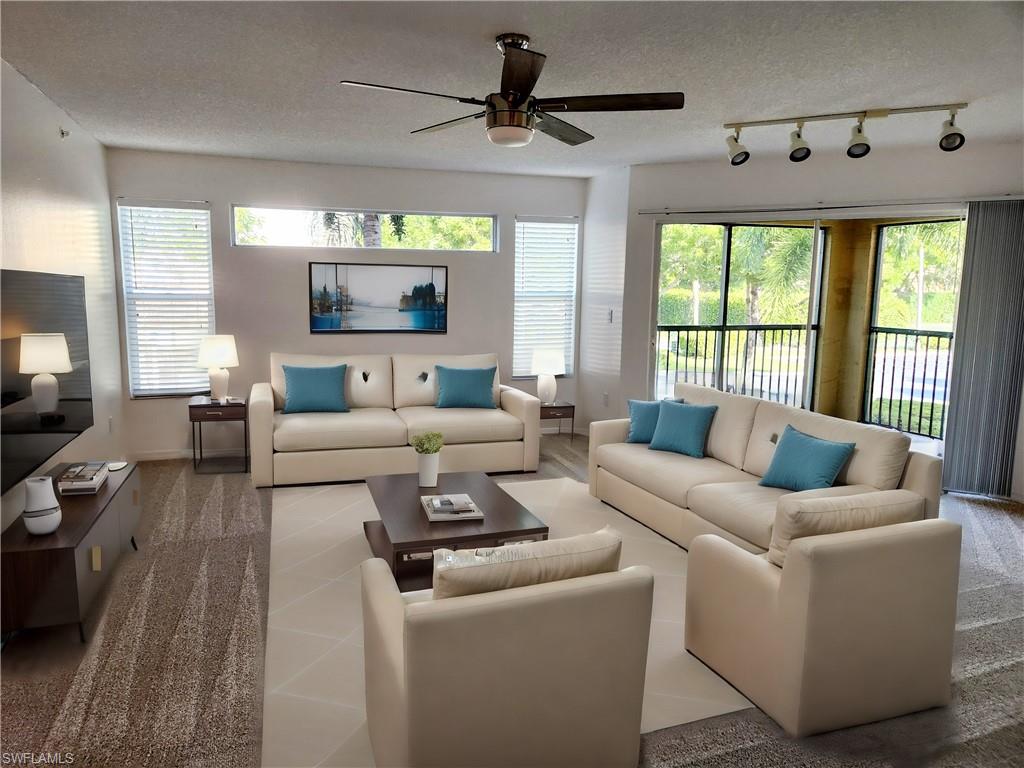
<point>428,442</point>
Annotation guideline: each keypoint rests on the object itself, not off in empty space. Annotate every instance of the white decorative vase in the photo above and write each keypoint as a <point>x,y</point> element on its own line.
<point>42,512</point>
<point>428,464</point>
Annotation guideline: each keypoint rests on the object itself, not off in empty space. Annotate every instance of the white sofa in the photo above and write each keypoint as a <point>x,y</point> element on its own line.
<point>682,497</point>
<point>391,398</point>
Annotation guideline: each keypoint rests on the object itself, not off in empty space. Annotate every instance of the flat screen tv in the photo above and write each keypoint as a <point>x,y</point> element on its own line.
<point>39,302</point>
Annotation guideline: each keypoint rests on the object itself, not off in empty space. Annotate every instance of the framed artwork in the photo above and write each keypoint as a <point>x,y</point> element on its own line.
<point>377,298</point>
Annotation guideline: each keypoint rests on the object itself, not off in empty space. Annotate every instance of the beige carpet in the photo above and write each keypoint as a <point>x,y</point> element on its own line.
<point>314,711</point>
<point>172,674</point>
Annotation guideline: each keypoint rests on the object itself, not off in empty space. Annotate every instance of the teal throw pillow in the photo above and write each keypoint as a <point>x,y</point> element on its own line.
<point>803,462</point>
<point>643,418</point>
<point>320,389</point>
<point>465,387</point>
<point>682,428</point>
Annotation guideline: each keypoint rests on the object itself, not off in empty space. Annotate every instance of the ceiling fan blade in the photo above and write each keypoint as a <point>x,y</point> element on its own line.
<point>520,71</point>
<point>376,87</point>
<point>561,130</point>
<point>449,123</point>
<point>619,102</point>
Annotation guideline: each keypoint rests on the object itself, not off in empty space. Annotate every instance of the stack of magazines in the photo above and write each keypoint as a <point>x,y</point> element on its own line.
<point>83,478</point>
<point>450,506</point>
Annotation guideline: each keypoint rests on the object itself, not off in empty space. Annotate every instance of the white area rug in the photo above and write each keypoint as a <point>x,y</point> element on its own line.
<point>314,703</point>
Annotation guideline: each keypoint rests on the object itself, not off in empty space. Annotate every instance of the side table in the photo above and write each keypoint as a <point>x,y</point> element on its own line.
<point>560,410</point>
<point>202,409</point>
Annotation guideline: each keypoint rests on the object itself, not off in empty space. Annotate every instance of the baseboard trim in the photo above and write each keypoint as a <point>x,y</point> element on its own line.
<point>179,453</point>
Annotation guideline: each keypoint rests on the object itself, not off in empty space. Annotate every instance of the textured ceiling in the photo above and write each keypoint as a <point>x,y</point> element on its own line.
<point>259,79</point>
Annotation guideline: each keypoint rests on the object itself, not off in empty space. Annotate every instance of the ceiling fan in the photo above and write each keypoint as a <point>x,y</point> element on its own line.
<point>514,112</point>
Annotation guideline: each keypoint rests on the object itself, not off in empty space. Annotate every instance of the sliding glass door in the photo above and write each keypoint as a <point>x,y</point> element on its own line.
<point>733,309</point>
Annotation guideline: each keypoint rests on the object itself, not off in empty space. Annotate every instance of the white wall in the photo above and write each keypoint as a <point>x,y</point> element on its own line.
<point>599,392</point>
<point>885,175</point>
<point>56,218</point>
<point>261,293</point>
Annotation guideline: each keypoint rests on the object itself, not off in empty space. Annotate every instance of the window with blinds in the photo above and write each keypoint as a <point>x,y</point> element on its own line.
<point>545,291</point>
<point>167,278</point>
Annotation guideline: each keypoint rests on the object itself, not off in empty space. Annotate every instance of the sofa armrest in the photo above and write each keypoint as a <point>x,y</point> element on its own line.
<point>526,408</point>
<point>922,474</point>
<point>384,659</point>
<point>601,432</point>
<point>261,434</point>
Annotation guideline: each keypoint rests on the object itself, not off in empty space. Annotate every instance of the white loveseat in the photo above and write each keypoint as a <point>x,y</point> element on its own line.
<point>682,497</point>
<point>391,398</point>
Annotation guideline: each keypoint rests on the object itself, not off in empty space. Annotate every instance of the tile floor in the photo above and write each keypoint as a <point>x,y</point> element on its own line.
<point>314,709</point>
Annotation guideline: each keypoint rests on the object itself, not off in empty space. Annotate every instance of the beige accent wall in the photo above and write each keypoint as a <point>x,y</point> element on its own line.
<point>56,218</point>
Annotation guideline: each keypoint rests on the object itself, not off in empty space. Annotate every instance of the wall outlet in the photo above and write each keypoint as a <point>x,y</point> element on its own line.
<point>604,399</point>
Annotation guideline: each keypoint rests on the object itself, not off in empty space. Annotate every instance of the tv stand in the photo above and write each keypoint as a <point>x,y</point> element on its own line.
<point>53,579</point>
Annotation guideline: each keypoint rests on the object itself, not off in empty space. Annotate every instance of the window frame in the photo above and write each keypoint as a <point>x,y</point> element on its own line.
<point>233,240</point>
<point>574,337</point>
<point>122,293</point>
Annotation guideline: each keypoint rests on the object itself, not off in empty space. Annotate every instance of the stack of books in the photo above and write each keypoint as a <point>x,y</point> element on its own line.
<point>83,478</point>
<point>450,506</point>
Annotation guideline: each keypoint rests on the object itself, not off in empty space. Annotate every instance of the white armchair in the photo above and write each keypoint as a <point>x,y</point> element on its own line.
<point>854,627</point>
<point>544,675</point>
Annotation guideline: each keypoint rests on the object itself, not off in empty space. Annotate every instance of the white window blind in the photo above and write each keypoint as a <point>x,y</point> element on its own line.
<point>167,277</point>
<point>545,290</point>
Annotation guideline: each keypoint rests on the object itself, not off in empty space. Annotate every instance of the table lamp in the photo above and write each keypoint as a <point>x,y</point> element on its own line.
<point>546,364</point>
<point>217,353</point>
<point>45,354</point>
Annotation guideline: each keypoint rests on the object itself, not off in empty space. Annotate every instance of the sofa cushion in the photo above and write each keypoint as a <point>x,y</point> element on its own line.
<point>465,387</point>
<point>682,428</point>
<point>730,430</point>
<point>472,571</point>
<point>747,509</point>
<point>462,425</point>
<point>314,389</point>
<point>416,379</point>
<point>643,419</point>
<point>799,516</point>
<point>368,381</point>
<point>803,462</point>
<point>878,459</point>
<point>359,428</point>
<point>667,475</point>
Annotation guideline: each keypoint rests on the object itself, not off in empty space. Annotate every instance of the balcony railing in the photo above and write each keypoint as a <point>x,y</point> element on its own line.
<point>907,378</point>
<point>766,361</point>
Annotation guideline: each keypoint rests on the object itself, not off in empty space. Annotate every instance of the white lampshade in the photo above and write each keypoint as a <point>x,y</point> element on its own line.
<point>44,353</point>
<point>548,360</point>
<point>510,135</point>
<point>218,352</point>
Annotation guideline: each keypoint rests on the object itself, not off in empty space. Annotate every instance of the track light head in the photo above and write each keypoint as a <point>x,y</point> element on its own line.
<point>799,150</point>
<point>859,145</point>
<point>951,137</point>
<point>738,153</point>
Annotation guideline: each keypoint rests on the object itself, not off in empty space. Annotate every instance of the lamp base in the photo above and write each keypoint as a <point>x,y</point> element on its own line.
<point>218,383</point>
<point>45,393</point>
<point>547,388</point>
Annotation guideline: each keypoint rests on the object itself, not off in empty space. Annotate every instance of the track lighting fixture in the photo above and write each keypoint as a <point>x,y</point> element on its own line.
<point>951,137</point>
<point>799,150</point>
<point>859,145</point>
<point>738,153</point>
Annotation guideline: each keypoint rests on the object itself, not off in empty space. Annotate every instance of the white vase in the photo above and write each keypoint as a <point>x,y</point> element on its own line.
<point>42,510</point>
<point>428,464</point>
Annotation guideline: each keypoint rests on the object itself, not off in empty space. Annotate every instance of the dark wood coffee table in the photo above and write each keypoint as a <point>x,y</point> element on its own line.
<point>406,539</point>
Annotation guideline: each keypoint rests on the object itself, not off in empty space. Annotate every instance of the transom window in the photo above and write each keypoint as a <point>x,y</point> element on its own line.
<point>325,228</point>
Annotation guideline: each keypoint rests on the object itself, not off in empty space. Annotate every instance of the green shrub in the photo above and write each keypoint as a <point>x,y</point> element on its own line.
<point>428,442</point>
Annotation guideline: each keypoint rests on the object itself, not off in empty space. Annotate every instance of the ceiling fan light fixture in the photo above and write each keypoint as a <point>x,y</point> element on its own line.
<point>799,150</point>
<point>738,154</point>
<point>510,135</point>
<point>859,145</point>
